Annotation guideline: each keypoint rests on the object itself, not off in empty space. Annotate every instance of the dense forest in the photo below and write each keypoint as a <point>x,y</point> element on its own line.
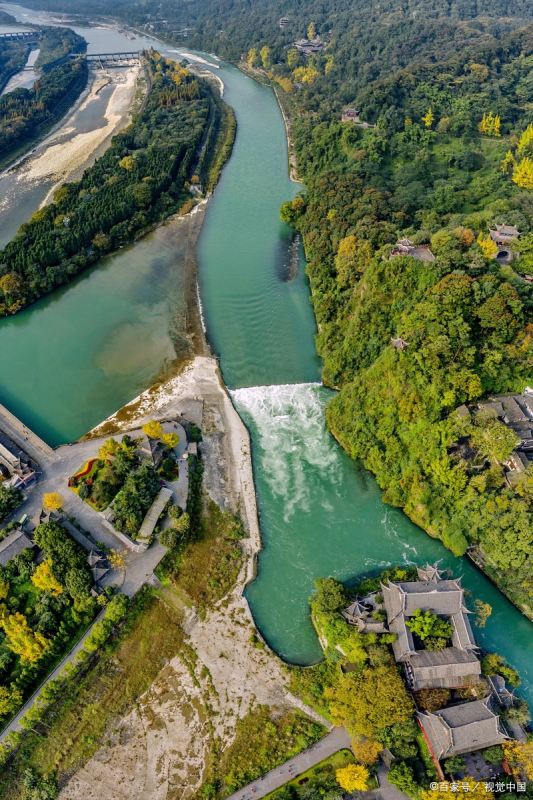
<point>27,114</point>
<point>437,148</point>
<point>13,56</point>
<point>141,179</point>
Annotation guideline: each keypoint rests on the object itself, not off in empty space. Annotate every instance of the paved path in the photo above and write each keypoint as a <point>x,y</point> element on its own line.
<point>336,740</point>
<point>387,790</point>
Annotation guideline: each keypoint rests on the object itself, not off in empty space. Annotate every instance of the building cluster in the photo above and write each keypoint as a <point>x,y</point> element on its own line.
<point>308,47</point>
<point>17,470</point>
<point>352,115</point>
<point>516,412</point>
<point>461,727</point>
<point>21,539</point>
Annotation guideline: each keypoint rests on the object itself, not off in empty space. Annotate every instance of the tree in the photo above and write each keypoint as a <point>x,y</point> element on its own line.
<point>494,440</point>
<point>428,626</point>
<point>311,31</point>
<point>38,787</point>
<point>108,448</point>
<point>127,163</point>
<point>519,712</point>
<point>493,755</point>
<point>495,664</point>
<point>10,700</point>
<point>4,588</point>
<point>182,525</point>
<point>483,612</point>
<point>454,765</point>
<point>525,143</point>
<point>523,173</point>
<point>353,778</point>
<point>433,699</point>
<point>428,118</point>
<point>507,163</point>
<point>353,257</point>
<point>153,429</point>
<point>20,638</point>
<point>52,501</point>
<point>402,776</point>
<point>102,242</point>
<point>170,439</point>
<point>367,701</point>
<point>292,57</point>
<point>490,124</point>
<point>519,756</point>
<point>265,57</point>
<point>306,75</point>
<point>367,751</point>
<point>252,57</point>
<point>43,578</point>
<point>487,247</point>
<point>117,559</point>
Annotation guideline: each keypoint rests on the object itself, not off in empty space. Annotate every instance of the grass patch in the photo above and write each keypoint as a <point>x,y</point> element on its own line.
<point>206,569</point>
<point>263,741</point>
<point>125,669</point>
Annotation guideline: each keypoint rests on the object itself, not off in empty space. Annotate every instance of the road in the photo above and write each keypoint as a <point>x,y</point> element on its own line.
<point>336,740</point>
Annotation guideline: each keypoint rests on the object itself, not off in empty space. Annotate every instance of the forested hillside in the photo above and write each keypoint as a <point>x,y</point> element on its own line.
<point>141,179</point>
<point>436,148</point>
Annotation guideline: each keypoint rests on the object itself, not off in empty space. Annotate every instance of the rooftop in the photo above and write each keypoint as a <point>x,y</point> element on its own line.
<point>14,544</point>
<point>461,729</point>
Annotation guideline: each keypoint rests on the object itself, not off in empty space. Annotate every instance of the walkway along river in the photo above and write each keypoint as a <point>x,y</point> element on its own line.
<point>76,357</point>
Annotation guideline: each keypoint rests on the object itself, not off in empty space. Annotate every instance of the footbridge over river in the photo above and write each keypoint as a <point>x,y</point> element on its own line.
<point>21,36</point>
<point>111,60</point>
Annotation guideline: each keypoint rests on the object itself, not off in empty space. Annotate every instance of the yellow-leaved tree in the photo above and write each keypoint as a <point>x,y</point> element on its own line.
<point>428,118</point>
<point>353,257</point>
<point>353,778</point>
<point>490,124</point>
<point>20,639</point>
<point>252,57</point>
<point>4,588</point>
<point>329,65</point>
<point>519,756</point>
<point>311,30</point>
<point>52,501</point>
<point>507,163</point>
<point>525,143</point>
<point>367,750</point>
<point>45,580</point>
<point>487,246</point>
<point>523,173</point>
<point>292,57</point>
<point>307,75</point>
<point>265,57</point>
<point>170,439</point>
<point>153,429</point>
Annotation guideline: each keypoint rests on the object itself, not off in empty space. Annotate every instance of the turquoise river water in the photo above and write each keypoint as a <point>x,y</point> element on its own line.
<point>78,356</point>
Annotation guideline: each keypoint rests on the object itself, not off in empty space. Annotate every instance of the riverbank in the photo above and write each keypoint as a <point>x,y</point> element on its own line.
<point>64,156</point>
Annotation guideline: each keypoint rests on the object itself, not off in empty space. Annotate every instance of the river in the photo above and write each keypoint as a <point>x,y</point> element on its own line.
<point>70,365</point>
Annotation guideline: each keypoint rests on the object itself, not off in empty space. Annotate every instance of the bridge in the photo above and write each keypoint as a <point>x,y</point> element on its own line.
<point>98,60</point>
<point>21,36</point>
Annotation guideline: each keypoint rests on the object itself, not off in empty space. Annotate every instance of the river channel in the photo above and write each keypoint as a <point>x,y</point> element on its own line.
<point>80,354</point>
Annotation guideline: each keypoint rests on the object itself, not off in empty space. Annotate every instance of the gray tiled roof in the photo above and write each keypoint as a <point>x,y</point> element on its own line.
<point>12,545</point>
<point>461,729</point>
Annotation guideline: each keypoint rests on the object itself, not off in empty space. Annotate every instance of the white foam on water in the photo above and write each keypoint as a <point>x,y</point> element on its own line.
<point>198,59</point>
<point>295,449</point>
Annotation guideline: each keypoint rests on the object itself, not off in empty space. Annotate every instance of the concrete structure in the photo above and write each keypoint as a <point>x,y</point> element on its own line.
<point>309,46</point>
<point>451,667</point>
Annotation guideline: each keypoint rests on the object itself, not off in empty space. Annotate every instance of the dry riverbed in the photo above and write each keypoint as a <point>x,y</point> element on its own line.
<point>162,747</point>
